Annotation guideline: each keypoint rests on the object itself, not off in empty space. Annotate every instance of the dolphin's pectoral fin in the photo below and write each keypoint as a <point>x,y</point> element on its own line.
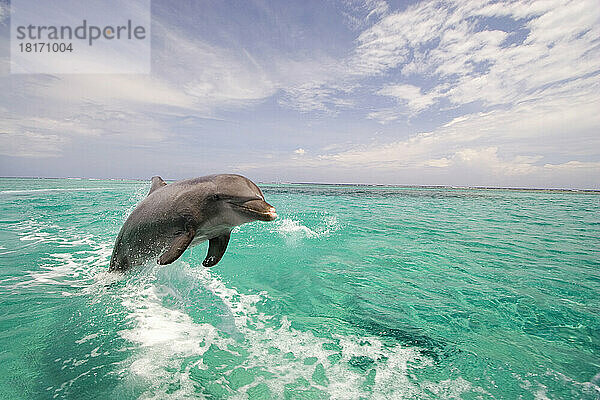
<point>216,249</point>
<point>157,183</point>
<point>180,243</point>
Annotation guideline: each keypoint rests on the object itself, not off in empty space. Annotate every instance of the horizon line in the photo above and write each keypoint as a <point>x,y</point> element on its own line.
<point>440,186</point>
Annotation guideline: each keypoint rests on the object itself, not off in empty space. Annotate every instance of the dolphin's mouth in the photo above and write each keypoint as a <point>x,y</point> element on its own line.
<point>258,209</point>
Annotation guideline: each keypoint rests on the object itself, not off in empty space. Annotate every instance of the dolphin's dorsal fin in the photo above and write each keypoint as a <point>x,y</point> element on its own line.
<point>157,183</point>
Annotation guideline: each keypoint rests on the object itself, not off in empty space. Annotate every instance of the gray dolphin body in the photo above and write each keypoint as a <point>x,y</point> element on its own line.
<point>182,214</point>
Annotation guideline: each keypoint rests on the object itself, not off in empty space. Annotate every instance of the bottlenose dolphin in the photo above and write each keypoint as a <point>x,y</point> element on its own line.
<point>176,216</point>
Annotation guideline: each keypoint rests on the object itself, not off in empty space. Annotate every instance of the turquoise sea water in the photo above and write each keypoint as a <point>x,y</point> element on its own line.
<point>354,292</point>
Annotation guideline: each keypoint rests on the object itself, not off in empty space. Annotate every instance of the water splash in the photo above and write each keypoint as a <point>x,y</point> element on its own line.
<point>273,356</point>
<point>291,228</point>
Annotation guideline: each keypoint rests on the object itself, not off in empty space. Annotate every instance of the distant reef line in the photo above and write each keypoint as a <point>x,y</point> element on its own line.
<point>381,185</point>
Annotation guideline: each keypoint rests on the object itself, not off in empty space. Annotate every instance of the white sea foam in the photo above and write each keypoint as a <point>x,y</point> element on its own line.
<point>34,232</point>
<point>75,268</point>
<point>86,338</point>
<point>167,336</point>
<point>5,252</point>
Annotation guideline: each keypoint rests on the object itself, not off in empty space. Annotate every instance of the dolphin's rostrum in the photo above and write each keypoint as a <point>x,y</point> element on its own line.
<point>178,215</point>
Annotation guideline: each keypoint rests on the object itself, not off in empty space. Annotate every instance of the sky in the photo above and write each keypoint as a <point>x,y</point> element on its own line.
<point>464,93</point>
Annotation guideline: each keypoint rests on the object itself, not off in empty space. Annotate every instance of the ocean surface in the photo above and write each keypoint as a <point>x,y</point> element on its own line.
<point>354,292</point>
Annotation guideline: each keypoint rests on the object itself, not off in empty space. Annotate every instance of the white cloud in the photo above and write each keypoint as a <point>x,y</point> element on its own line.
<point>531,127</point>
<point>410,95</point>
<point>541,93</point>
<point>360,13</point>
<point>387,44</point>
<point>506,146</point>
<point>574,165</point>
<point>315,97</point>
<point>383,116</point>
<point>127,90</point>
<point>30,144</point>
<point>376,8</point>
<point>487,159</point>
<point>446,43</point>
<point>52,125</point>
<point>308,97</point>
<point>3,11</point>
<point>300,151</point>
<point>438,162</point>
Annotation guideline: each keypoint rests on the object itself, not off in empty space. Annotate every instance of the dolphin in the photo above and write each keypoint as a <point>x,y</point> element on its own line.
<point>182,214</point>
